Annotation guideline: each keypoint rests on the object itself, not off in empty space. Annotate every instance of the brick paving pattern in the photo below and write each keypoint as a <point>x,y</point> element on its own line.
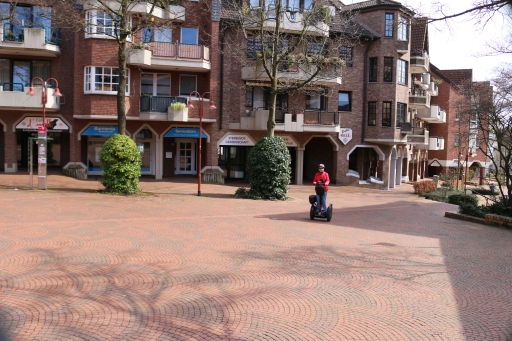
<point>169,265</point>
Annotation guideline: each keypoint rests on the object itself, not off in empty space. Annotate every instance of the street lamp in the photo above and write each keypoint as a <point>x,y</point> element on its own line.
<point>42,129</point>
<point>191,106</point>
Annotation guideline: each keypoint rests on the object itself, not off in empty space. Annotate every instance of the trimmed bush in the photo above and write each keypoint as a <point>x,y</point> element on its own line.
<point>458,199</point>
<point>268,170</point>
<point>121,162</point>
<point>426,186</point>
<point>440,194</point>
<point>473,210</point>
<point>501,208</point>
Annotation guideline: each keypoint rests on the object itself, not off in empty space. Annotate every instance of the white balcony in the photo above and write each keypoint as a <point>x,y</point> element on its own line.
<point>433,89</point>
<point>35,42</point>
<point>171,12</point>
<point>19,100</point>
<point>419,137</point>
<point>434,143</point>
<point>293,24</point>
<point>419,99</point>
<point>419,64</point>
<point>434,114</point>
<point>167,56</point>
<point>296,74</point>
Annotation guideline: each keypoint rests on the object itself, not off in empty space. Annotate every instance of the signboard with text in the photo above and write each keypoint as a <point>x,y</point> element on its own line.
<point>345,135</point>
<point>289,141</point>
<point>54,124</point>
<point>237,140</point>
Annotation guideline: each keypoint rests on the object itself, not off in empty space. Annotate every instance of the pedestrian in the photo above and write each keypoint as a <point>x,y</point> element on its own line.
<point>321,182</point>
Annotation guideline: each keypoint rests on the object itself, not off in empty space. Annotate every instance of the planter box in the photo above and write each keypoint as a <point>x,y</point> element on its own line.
<point>177,115</point>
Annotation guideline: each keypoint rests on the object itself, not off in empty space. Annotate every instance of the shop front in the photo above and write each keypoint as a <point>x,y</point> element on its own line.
<point>181,151</point>
<point>96,136</point>
<point>233,150</point>
<point>58,141</point>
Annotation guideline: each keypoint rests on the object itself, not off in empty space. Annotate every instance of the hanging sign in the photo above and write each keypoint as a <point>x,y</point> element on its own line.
<point>54,124</point>
<point>345,135</point>
<point>236,140</point>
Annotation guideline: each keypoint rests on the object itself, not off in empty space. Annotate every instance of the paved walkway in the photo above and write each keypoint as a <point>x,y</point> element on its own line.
<point>169,265</point>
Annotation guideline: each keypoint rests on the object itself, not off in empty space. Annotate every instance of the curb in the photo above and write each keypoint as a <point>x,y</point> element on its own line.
<point>472,219</point>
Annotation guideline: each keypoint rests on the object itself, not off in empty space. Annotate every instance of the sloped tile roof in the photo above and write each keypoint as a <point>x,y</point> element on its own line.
<point>419,37</point>
<point>368,4</point>
<point>459,77</point>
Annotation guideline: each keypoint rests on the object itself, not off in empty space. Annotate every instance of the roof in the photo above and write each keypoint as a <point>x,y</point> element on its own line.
<point>370,3</point>
<point>419,34</point>
<point>459,77</point>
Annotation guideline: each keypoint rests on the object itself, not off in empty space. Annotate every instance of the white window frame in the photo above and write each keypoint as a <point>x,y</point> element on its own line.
<point>89,83</point>
<point>158,32</point>
<point>403,28</point>
<point>93,30</point>
<point>402,74</point>
<point>187,95</point>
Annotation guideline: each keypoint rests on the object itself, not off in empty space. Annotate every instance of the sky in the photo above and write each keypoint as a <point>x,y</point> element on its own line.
<point>458,44</point>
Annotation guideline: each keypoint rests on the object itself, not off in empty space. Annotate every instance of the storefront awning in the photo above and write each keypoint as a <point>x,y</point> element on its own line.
<point>191,133</point>
<point>100,131</point>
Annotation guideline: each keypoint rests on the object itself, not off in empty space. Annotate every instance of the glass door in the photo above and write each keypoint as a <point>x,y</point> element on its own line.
<point>143,140</point>
<point>186,160</point>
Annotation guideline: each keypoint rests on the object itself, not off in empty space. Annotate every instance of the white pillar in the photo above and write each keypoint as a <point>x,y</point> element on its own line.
<point>399,164</point>
<point>159,162</point>
<point>392,173</point>
<point>299,165</point>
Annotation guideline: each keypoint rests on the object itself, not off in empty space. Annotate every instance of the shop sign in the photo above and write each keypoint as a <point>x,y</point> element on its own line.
<point>102,131</point>
<point>54,124</point>
<point>237,140</point>
<point>345,135</point>
<point>289,141</point>
<point>180,132</point>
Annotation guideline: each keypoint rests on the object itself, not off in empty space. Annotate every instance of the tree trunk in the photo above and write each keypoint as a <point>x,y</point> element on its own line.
<point>121,103</point>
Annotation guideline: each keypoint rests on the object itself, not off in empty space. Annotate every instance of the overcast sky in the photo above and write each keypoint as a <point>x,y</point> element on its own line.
<point>456,45</point>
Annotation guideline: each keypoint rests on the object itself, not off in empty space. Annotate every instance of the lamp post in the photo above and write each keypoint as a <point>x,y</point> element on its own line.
<point>42,129</point>
<point>191,106</point>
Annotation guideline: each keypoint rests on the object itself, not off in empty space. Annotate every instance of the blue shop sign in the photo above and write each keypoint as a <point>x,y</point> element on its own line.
<point>191,133</point>
<point>100,131</point>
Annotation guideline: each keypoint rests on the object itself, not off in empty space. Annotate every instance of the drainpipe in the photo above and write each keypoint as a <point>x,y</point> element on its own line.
<point>365,82</point>
<point>221,85</point>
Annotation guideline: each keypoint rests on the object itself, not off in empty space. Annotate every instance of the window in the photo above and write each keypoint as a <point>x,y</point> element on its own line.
<point>344,101</point>
<point>403,28</point>
<point>25,16</point>
<point>457,140</point>
<point>372,113</point>
<point>373,69</point>
<point>189,35</point>
<point>155,84</point>
<point>187,84</point>
<point>401,114</point>
<point>402,72</point>
<point>388,69</point>
<point>101,24</point>
<point>347,55</point>
<point>388,29</point>
<point>158,34</point>
<point>249,94</point>
<point>15,75</point>
<point>316,48</point>
<point>386,114</point>
<point>316,101</point>
<point>99,79</point>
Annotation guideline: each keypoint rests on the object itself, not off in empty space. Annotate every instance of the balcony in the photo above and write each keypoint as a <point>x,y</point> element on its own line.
<point>30,41</point>
<point>419,62</point>
<point>422,80</point>
<point>433,90</point>
<point>294,73</point>
<point>295,120</point>
<point>164,56</point>
<point>434,114</point>
<point>290,23</point>
<point>171,12</point>
<point>19,100</point>
<point>435,143</point>
<point>419,136</point>
<point>156,107</point>
<point>419,99</point>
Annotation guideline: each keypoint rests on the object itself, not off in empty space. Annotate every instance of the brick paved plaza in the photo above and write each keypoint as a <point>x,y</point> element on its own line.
<point>169,265</point>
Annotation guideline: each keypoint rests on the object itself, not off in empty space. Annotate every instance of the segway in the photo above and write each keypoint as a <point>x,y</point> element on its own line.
<point>319,189</point>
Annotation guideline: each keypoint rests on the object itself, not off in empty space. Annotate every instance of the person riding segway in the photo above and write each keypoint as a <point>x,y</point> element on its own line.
<point>319,205</point>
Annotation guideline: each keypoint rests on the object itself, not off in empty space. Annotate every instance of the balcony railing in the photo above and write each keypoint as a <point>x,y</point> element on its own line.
<point>176,50</point>
<point>16,33</point>
<point>420,62</point>
<point>158,103</point>
<point>321,117</point>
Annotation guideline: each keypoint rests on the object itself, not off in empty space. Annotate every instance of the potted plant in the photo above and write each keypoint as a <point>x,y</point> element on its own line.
<point>178,112</point>
<point>10,36</point>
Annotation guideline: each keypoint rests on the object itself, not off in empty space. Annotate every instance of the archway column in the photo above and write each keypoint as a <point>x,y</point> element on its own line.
<point>299,165</point>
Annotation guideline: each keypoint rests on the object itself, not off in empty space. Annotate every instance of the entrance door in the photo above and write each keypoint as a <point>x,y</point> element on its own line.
<point>186,160</point>
<point>144,139</point>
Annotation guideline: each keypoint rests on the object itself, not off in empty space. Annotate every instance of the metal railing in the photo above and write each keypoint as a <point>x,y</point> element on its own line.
<point>177,50</point>
<point>158,103</point>
<point>18,87</point>
<point>321,117</point>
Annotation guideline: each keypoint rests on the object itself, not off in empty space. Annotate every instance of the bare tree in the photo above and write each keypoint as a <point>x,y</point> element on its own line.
<point>490,109</point>
<point>119,20</point>
<point>481,10</point>
<point>287,47</point>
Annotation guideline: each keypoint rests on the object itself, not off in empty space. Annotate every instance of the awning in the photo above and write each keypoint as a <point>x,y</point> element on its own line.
<point>100,131</point>
<point>191,133</point>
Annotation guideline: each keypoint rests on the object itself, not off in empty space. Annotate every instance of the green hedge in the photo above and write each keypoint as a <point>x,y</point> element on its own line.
<point>458,199</point>
<point>121,162</point>
<point>268,170</point>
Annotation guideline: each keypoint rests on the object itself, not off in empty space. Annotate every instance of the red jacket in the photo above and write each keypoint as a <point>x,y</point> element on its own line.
<point>325,177</point>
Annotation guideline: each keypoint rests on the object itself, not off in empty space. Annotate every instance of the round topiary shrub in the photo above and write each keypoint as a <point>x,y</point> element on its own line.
<point>458,199</point>
<point>120,163</point>
<point>268,170</point>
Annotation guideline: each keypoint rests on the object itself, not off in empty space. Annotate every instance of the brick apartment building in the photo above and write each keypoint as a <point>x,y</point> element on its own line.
<point>371,126</point>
